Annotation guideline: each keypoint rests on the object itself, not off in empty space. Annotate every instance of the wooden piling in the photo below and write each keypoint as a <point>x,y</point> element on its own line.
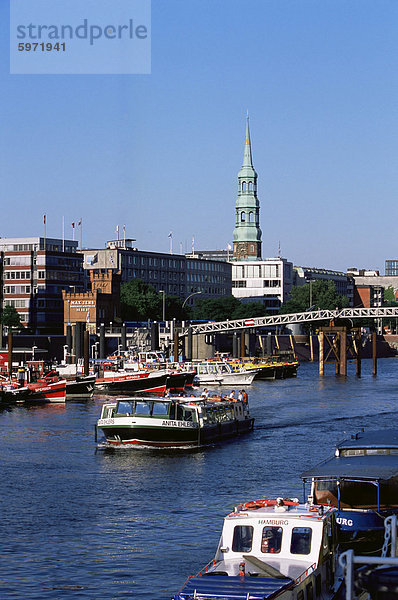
<point>343,352</point>
<point>374,353</point>
<point>10,342</point>
<point>321,337</point>
<point>242,344</point>
<point>86,351</point>
<point>311,349</point>
<point>358,351</point>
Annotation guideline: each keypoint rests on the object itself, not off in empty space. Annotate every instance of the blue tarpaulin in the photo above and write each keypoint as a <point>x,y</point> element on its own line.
<point>232,588</point>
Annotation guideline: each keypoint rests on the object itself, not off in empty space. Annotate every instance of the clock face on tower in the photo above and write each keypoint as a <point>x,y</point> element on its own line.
<point>242,248</point>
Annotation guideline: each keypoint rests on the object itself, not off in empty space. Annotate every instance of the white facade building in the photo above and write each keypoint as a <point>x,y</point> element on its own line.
<point>267,281</point>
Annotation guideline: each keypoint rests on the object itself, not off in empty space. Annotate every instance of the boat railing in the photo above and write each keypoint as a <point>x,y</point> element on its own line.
<point>347,559</point>
<point>305,573</point>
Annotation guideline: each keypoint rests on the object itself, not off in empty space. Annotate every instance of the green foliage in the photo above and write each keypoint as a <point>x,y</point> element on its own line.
<point>321,294</point>
<point>226,307</point>
<point>389,296</point>
<point>10,317</point>
<point>140,302</point>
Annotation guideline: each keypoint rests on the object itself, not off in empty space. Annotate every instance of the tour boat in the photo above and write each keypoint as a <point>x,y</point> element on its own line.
<point>361,481</point>
<point>173,421</point>
<point>219,372</point>
<point>277,549</point>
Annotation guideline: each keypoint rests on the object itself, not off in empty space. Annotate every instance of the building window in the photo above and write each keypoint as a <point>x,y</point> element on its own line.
<point>243,216</point>
<point>251,217</point>
<point>243,186</point>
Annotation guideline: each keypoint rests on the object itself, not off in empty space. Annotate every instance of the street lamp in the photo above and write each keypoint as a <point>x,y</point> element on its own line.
<point>188,297</point>
<point>163,304</point>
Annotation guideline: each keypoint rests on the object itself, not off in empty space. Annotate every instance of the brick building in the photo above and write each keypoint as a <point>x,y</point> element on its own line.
<point>99,305</point>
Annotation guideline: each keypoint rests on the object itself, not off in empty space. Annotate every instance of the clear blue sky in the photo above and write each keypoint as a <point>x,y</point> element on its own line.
<point>161,152</point>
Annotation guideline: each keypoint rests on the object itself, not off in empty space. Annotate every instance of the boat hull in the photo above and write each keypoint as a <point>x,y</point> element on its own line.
<point>132,384</point>
<point>37,392</point>
<point>173,434</point>
<point>81,386</point>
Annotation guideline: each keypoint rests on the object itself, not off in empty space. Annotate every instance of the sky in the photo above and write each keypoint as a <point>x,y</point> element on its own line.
<point>160,152</point>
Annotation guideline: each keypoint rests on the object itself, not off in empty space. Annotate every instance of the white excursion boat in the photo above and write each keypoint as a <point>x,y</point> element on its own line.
<point>173,421</point>
<point>277,549</point>
<point>219,372</point>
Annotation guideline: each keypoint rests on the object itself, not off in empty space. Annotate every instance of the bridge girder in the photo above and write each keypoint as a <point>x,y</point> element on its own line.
<point>302,317</point>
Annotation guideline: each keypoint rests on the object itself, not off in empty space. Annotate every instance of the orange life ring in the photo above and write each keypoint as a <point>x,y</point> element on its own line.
<point>254,504</point>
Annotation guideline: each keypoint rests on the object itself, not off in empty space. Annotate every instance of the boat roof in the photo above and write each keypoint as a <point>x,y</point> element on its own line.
<point>384,438</point>
<point>367,465</point>
<point>233,587</point>
<point>375,467</point>
<point>276,510</point>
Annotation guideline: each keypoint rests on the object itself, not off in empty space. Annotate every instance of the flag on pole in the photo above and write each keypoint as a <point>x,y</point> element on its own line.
<point>73,225</point>
<point>79,223</point>
<point>88,317</point>
<point>170,234</point>
<point>44,219</point>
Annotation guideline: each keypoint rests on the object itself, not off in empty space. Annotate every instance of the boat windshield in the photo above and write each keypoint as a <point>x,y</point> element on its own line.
<point>160,409</point>
<point>143,409</point>
<point>125,408</point>
<point>224,369</point>
<point>357,494</point>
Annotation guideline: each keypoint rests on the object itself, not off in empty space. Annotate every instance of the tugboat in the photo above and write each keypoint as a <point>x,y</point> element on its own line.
<point>173,421</point>
<point>271,549</point>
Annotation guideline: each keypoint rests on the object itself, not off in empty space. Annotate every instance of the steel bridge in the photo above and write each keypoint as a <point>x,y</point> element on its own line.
<point>302,317</point>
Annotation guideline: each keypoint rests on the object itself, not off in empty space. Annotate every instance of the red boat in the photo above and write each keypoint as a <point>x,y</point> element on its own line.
<point>141,382</point>
<point>38,391</point>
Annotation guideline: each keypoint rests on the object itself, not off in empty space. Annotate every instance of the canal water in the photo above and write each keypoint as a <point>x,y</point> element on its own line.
<point>82,523</point>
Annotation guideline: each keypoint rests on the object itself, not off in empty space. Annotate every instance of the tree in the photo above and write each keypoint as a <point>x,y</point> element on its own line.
<point>10,317</point>
<point>321,293</point>
<point>389,296</point>
<point>226,307</point>
<point>140,302</point>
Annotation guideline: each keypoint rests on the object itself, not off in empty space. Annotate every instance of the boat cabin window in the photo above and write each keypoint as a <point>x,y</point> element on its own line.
<point>243,538</point>
<point>202,369</point>
<point>224,369</point>
<point>301,540</point>
<point>212,369</point>
<point>368,451</point>
<point>185,414</point>
<point>160,409</point>
<point>125,408</point>
<point>143,409</point>
<point>271,540</point>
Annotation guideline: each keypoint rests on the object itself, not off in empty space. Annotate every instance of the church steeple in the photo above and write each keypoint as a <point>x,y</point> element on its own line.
<point>247,156</point>
<point>247,232</point>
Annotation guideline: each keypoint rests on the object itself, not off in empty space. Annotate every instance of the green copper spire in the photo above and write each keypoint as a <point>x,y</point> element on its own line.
<point>247,155</point>
<point>247,232</point>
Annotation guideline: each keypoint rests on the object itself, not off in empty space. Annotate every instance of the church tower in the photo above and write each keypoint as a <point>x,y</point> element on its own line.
<point>247,232</point>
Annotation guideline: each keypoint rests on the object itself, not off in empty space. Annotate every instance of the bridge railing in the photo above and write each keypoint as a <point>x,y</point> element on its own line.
<point>301,317</point>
